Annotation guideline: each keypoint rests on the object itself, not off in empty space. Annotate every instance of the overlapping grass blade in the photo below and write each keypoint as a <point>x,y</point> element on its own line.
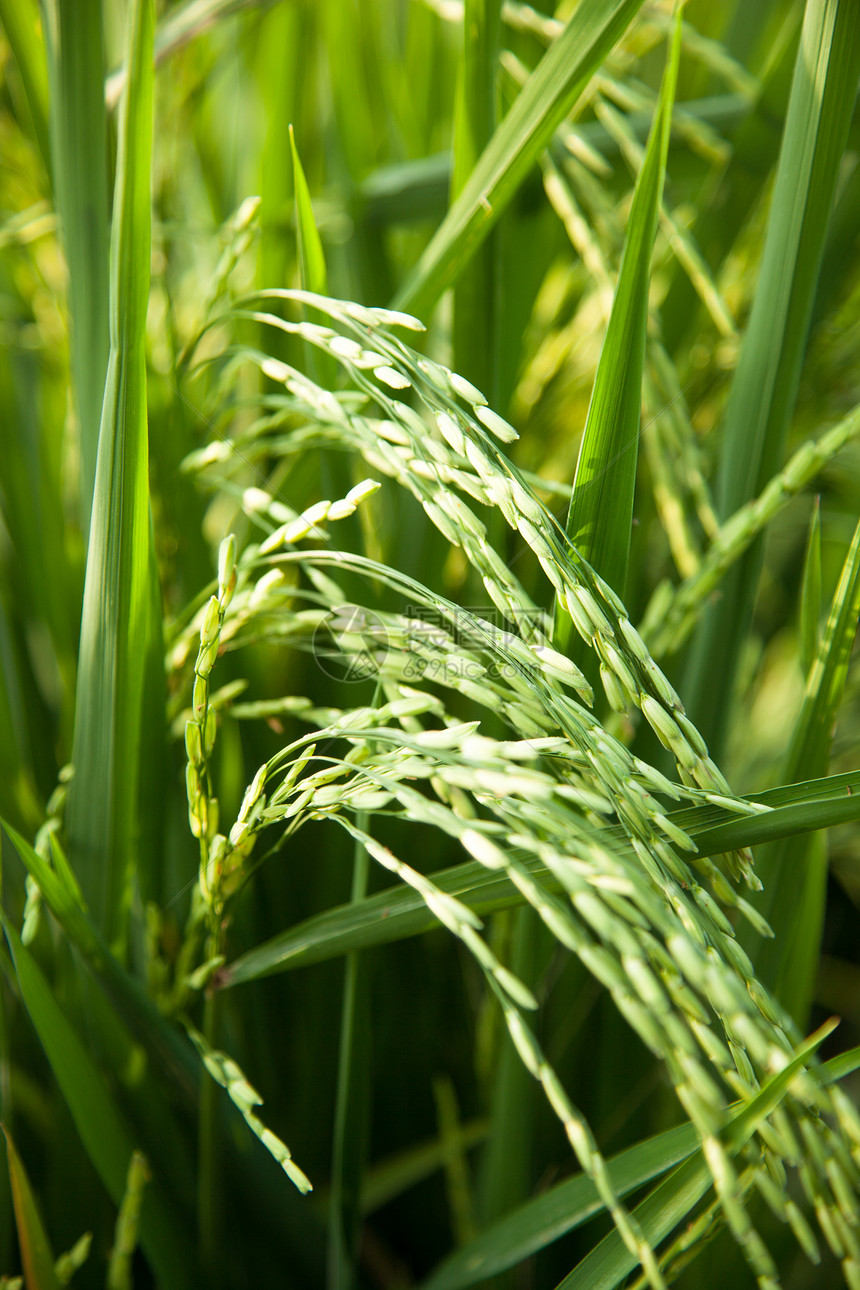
<point>172,1059</point>
<point>36,1256</point>
<point>100,1124</point>
<point>58,886</point>
<point>544,102</point>
<point>568,1204</point>
<point>562,1208</point>
<point>809,753</point>
<point>670,618</point>
<point>180,25</point>
<point>724,206</point>
<point>601,507</point>
<point>670,1203</point>
<point>20,19</point>
<point>794,871</point>
<point>311,258</point>
<point>116,627</point>
<point>764,387</point>
<point>79,154</point>
<point>476,292</point>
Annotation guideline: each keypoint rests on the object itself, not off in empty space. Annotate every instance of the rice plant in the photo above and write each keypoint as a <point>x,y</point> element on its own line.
<point>430,576</point>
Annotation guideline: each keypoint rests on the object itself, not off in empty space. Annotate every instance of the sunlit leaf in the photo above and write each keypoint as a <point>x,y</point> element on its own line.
<point>36,1253</point>
<point>116,624</point>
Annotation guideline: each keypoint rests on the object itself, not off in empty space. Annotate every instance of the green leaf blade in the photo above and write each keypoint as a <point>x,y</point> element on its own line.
<point>117,595</point>
<point>475,323</point>
<point>79,133</point>
<point>764,388</point>
<point>670,1203</point>
<point>515,147</point>
<point>794,871</point>
<point>20,19</point>
<point>36,1256</point>
<point>601,508</point>
<point>311,257</point>
<point>810,592</point>
<point>99,1122</point>
<point>564,1207</point>
<point>126,995</point>
<point>400,912</point>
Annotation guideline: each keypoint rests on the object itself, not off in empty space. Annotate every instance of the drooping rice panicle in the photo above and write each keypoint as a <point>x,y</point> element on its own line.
<point>373,686</point>
<point>639,919</point>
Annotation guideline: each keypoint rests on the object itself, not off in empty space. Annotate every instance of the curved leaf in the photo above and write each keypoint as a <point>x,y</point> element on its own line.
<point>543,103</point>
<point>794,871</point>
<point>549,1216</point>
<point>764,388</point>
<point>601,507</point>
<point>671,1202</point>
<point>401,912</point>
<point>36,1256</point>
<point>99,1122</point>
<point>169,1054</point>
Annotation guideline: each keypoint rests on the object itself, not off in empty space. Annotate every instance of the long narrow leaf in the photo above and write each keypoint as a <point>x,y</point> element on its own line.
<point>312,266</point>
<point>311,257</point>
<point>20,19</point>
<point>115,624</point>
<point>810,745</point>
<point>103,1131</point>
<point>167,1051</point>
<point>794,871</point>
<point>476,293</point>
<point>79,155</point>
<point>401,912</point>
<point>810,592</point>
<point>544,102</point>
<point>764,388</point>
<point>564,1207</point>
<point>36,1253</point>
<point>671,1202</point>
<point>601,507</point>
